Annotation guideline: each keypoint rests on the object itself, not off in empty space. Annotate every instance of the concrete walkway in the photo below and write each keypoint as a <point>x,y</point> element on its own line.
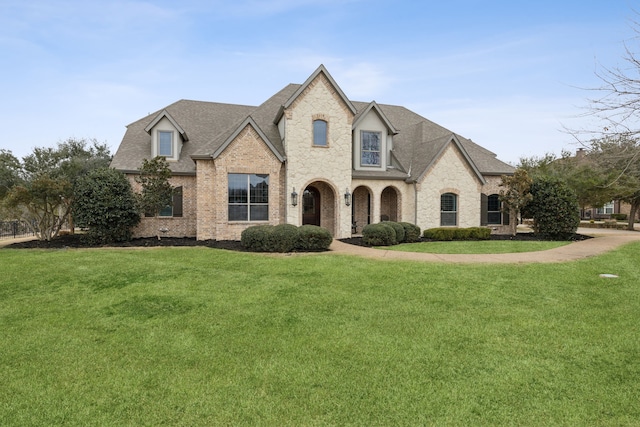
<point>605,240</point>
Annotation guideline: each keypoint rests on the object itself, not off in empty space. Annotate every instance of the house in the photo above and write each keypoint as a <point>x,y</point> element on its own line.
<point>310,155</point>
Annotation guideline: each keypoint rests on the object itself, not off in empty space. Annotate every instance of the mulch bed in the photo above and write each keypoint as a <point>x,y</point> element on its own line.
<point>77,241</point>
<point>519,236</point>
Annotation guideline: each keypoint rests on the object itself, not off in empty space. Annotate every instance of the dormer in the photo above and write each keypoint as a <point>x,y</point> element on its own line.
<point>167,136</point>
<point>372,140</point>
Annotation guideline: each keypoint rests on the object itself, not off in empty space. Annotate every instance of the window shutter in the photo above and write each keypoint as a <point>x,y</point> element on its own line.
<point>177,201</point>
<point>484,203</point>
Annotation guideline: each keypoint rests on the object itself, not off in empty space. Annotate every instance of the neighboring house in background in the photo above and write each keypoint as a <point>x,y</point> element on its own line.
<point>309,155</point>
<point>615,207</point>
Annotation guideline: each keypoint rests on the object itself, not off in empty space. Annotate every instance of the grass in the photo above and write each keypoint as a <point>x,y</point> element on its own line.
<point>195,336</point>
<point>476,247</point>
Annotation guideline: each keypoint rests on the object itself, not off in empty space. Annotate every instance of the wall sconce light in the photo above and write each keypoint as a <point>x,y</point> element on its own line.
<point>294,197</point>
<point>347,197</point>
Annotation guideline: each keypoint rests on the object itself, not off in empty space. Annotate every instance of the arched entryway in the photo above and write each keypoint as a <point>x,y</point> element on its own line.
<point>318,206</point>
<point>360,209</point>
<point>389,204</point>
<point>311,206</point>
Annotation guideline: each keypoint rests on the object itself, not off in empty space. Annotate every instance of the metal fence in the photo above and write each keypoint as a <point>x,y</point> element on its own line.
<point>13,229</point>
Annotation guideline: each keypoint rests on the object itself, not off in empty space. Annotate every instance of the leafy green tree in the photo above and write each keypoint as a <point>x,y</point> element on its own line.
<point>9,172</point>
<point>554,208</point>
<point>515,195</point>
<point>107,205</point>
<point>43,194</point>
<point>156,191</point>
<point>579,172</point>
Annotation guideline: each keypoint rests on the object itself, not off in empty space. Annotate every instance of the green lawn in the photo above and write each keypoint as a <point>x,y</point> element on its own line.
<point>196,336</point>
<point>476,247</point>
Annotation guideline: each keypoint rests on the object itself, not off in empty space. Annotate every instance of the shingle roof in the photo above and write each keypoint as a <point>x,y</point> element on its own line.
<point>202,121</point>
<point>420,140</point>
<point>209,125</point>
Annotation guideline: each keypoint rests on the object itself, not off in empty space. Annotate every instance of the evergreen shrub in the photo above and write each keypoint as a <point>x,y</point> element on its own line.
<point>284,238</point>
<point>411,232</point>
<point>257,238</point>
<point>312,238</point>
<point>399,229</point>
<point>105,204</point>
<point>379,234</point>
<point>448,234</point>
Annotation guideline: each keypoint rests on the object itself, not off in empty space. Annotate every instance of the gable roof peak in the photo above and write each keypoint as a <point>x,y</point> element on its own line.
<point>249,121</point>
<point>321,70</point>
<point>373,105</point>
<point>165,114</point>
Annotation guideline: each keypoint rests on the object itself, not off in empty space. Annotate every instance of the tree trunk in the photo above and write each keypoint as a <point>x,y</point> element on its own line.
<point>513,221</point>
<point>632,214</point>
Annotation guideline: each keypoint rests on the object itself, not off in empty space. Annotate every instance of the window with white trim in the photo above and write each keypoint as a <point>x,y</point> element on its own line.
<point>370,148</point>
<point>448,210</point>
<point>165,143</point>
<point>248,197</point>
<point>607,209</point>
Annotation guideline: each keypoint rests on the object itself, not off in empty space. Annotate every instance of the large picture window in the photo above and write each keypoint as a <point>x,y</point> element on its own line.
<point>370,147</point>
<point>248,197</point>
<point>165,143</point>
<point>448,209</point>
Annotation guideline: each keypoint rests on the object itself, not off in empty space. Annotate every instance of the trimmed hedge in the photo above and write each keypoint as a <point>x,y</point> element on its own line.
<point>399,229</point>
<point>285,238</point>
<point>380,234</point>
<point>257,238</point>
<point>411,232</point>
<point>447,234</point>
<point>312,238</point>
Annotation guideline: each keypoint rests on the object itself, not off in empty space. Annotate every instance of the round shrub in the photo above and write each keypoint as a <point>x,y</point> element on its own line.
<point>257,238</point>
<point>554,209</point>
<point>106,205</point>
<point>411,232</point>
<point>313,238</point>
<point>379,234</point>
<point>283,238</point>
<point>399,229</point>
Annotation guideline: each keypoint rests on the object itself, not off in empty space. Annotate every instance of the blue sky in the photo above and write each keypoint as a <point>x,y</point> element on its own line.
<point>505,74</point>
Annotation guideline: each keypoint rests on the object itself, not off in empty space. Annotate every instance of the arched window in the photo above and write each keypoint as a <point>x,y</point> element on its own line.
<point>448,210</point>
<point>320,133</point>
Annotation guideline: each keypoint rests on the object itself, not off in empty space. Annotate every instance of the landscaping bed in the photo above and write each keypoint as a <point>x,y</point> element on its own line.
<point>77,241</point>
<point>518,237</point>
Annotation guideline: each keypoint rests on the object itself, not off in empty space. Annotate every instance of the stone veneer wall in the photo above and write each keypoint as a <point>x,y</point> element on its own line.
<point>184,226</point>
<point>404,207</point>
<point>451,174</point>
<point>307,164</point>
<point>246,154</point>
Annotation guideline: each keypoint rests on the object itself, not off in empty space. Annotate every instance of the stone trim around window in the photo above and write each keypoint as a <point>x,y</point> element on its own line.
<point>320,131</point>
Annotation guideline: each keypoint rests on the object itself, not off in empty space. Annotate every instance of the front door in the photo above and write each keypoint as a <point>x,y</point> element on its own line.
<point>311,206</point>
